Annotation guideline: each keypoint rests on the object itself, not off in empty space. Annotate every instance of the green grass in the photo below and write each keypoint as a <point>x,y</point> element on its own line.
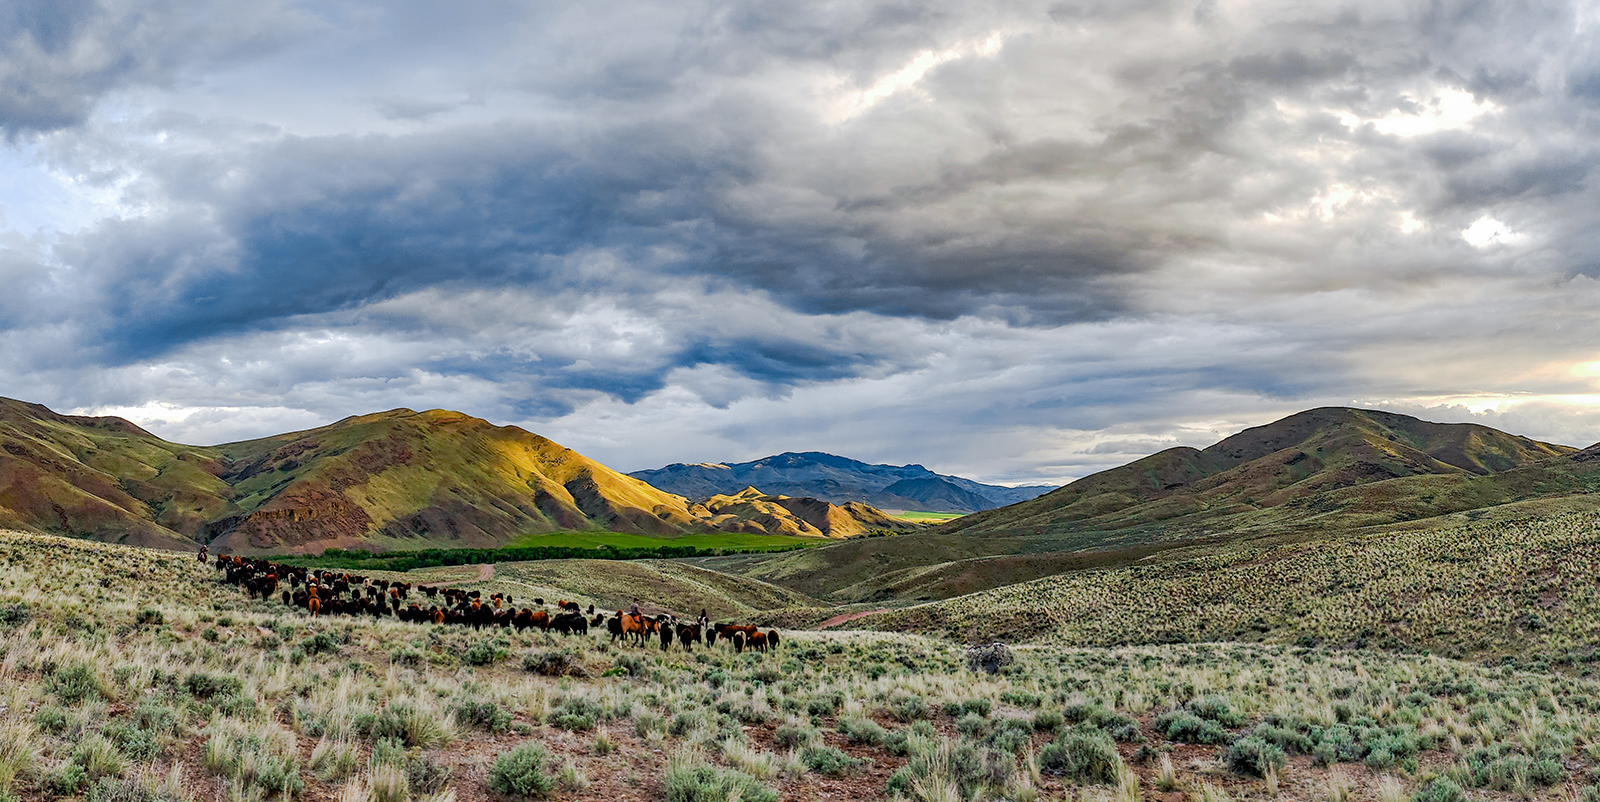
<point>923,515</point>
<point>723,540</point>
<point>563,546</point>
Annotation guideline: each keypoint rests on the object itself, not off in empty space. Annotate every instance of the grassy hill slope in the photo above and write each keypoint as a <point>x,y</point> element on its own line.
<point>659,585</point>
<point>1283,474</point>
<point>1319,474</point>
<point>404,478</point>
<point>391,480</point>
<point>104,478</point>
<point>132,674</point>
<point>1518,582</point>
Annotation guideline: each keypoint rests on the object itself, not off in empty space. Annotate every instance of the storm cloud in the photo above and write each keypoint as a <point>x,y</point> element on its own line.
<point>1018,242</point>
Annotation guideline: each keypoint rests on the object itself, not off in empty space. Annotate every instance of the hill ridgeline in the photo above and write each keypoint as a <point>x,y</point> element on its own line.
<point>838,480</point>
<point>390,480</point>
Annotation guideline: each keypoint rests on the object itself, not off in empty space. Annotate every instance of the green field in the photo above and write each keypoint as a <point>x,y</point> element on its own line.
<point>565,546</point>
<point>923,515</point>
<point>722,540</point>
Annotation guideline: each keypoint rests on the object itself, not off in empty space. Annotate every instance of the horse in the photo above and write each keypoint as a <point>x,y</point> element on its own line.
<point>628,626</point>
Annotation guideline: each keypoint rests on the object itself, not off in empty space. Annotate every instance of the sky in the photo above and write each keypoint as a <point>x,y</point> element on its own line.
<point>1014,241</point>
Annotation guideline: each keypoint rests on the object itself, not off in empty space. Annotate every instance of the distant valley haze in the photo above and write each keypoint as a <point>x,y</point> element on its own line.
<point>1016,244</point>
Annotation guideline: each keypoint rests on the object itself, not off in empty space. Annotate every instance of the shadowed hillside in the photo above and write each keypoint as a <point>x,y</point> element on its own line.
<point>104,478</point>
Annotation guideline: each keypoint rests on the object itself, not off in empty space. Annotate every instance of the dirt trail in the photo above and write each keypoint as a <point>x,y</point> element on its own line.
<point>840,619</point>
<point>485,573</point>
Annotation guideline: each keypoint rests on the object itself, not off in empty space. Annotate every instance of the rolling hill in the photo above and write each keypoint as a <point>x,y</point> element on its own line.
<point>1320,474</point>
<point>396,479</point>
<point>838,480</point>
<point>104,478</point>
<point>1331,466</point>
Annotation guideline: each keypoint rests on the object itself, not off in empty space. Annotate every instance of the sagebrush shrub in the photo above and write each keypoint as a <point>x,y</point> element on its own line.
<point>963,766</point>
<point>486,652</point>
<point>522,772</point>
<point>829,761</point>
<point>1439,790</point>
<point>1253,755</point>
<point>907,707</point>
<point>76,683</point>
<point>319,643</point>
<point>1082,755</point>
<point>791,736</point>
<point>862,731</point>
<point>972,725</point>
<point>483,714</point>
<point>1286,739</point>
<point>1048,720</point>
<point>1011,735</point>
<point>690,779</point>
<point>1216,708</point>
<point>205,686</point>
<point>426,775</point>
<point>1181,725</point>
<point>577,713</point>
<point>556,664</point>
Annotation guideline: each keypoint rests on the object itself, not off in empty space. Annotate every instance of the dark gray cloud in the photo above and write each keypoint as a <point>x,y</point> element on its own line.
<point>58,58</point>
<point>1045,231</point>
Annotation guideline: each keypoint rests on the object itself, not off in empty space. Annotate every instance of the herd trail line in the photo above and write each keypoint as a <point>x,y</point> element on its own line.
<point>840,619</point>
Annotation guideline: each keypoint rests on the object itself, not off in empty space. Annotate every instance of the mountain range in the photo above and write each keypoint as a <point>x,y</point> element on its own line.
<point>839,480</point>
<point>404,479</point>
<point>389,480</point>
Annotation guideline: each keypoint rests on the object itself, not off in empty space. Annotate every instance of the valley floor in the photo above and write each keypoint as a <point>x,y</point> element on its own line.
<point>129,675</point>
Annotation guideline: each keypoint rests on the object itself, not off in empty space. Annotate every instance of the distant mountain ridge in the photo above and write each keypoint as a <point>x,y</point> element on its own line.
<point>396,479</point>
<point>839,480</point>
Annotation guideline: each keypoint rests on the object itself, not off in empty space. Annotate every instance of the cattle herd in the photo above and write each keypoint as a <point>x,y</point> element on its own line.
<point>321,592</point>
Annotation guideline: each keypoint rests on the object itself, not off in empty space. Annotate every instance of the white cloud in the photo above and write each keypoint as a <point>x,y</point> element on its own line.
<point>1486,232</point>
<point>846,105</point>
<point>1444,110</point>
